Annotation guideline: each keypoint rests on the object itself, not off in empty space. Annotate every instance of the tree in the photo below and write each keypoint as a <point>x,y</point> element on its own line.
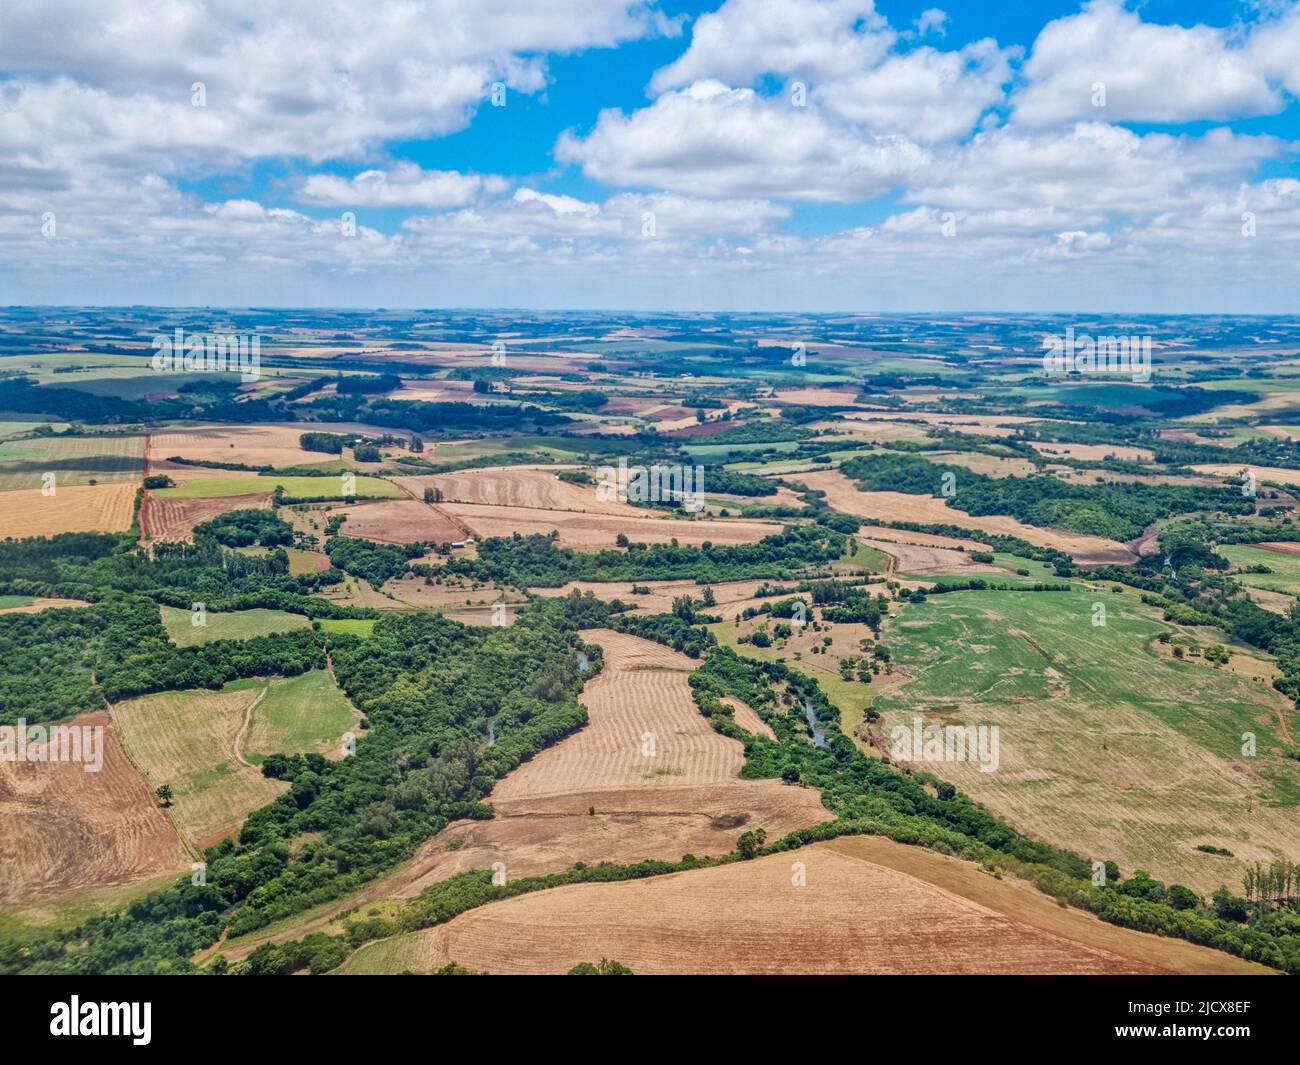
<point>749,843</point>
<point>604,967</point>
<point>164,793</point>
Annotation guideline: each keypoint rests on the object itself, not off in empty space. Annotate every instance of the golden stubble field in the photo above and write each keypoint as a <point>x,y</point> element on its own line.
<point>853,905</point>
<point>75,508</point>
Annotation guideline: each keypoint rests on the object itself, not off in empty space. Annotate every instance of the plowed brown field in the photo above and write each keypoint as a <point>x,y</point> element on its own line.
<point>174,519</point>
<point>253,445</point>
<point>928,561</point>
<point>62,828</point>
<point>399,521</point>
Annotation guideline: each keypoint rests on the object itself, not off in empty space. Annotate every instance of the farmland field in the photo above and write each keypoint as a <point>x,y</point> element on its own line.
<point>1282,560</point>
<point>78,508</point>
<point>303,714</point>
<point>1106,747</point>
<point>928,914</point>
<point>72,460</point>
<point>174,519</point>
<point>187,740</point>
<point>844,495</point>
<point>235,625</point>
<point>296,487</point>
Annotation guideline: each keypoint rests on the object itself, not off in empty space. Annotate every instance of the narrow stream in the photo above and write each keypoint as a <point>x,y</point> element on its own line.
<point>818,733</point>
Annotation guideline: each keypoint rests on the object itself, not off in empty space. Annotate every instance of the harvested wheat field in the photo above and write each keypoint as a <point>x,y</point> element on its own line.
<point>518,486</point>
<point>843,495</point>
<point>63,829</point>
<point>253,445</point>
<point>647,749</point>
<point>78,508</point>
<point>595,531</point>
<point>188,740</point>
<point>684,798</point>
<point>37,605</point>
<point>1096,452</point>
<point>921,561</point>
<point>399,521</point>
<point>865,905</point>
<point>747,718</point>
<point>988,465</point>
<point>1235,473</point>
<point>174,519</point>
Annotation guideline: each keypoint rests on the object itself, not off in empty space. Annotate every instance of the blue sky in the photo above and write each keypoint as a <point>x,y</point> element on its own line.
<point>943,155</point>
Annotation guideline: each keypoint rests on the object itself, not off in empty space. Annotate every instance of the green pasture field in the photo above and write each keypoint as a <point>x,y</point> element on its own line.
<point>1108,745</point>
<point>231,625</point>
<point>1286,568</point>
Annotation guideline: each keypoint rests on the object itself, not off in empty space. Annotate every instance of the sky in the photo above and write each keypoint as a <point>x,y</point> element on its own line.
<point>811,155</point>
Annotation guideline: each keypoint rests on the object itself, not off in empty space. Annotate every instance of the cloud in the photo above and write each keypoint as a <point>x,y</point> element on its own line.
<point>931,20</point>
<point>809,39</point>
<point>1150,73</point>
<point>926,94</point>
<point>711,140</point>
<point>403,185</point>
<point>111,79</point>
